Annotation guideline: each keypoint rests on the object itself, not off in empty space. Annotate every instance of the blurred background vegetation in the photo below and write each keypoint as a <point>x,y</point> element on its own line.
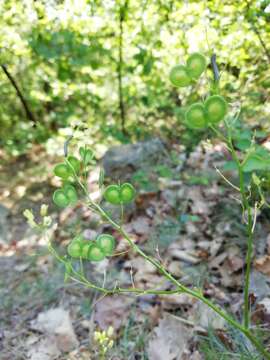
<point>99,70</point>
<point>101,67</point>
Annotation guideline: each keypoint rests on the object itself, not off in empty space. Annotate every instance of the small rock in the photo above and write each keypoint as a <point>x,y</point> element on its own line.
<point>120,162</point>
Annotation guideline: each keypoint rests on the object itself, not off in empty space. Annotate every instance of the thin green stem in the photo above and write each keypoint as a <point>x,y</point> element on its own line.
<point>122,213</point>
<point>180,287</point>
<point>194,293</point>
<point>248,269</point>
<point>246,209</point>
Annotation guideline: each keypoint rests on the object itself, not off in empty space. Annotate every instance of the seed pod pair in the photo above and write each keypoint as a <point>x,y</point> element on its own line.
<point>200,115</point>
<point>119,194</point>
<point>65,170</point>
<point>184,75</point>
<point>65,196</point>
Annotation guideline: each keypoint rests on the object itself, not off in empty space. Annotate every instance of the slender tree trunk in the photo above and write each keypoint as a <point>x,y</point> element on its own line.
<point>266,50</point>
<point>257,32</point>
<point>122,15</point>
<point>24,103</point>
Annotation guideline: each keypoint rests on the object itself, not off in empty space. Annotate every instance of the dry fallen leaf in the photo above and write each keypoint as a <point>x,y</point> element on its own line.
<point>112,310</point>
<point>266,304</point>
<point>174,267</point>
<point>44,349</point>
<point>142,273</point>
<point>205,317</point>
<point>170,339</point>
<point>259,286</point>
<point>263,264</point>
<point>199,204</point>
<point>268,244</point>
<point>159,350</point>
<point>141,225</point>
<point>175,252</point>
<point>56,324</point>
<point>262,312</point>
<point>173,301</point>
<point>195,356</point>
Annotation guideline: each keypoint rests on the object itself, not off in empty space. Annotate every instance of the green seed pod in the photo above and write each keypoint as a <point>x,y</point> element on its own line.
<point>75,249</point>
<point>112,194</point>
<point>85,246</point>
<point>179,76</point>
<point>195,117</point>
<point>216,108</point>
<point>106,242</point>
<point>60,198</point>
<point>74,164</point>
<point>127,193</point>
<point>70,193</point>
<point>62,171</point>
<point>196,65</point>
<point>95,253</point>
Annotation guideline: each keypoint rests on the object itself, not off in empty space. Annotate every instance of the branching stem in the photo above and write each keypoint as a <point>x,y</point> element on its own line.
<point>179,288</point>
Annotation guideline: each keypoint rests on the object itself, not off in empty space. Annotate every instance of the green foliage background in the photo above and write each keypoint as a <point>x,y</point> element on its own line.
<point>66,58</point>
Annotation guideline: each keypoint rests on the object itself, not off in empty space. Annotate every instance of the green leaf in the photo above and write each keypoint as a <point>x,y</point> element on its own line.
<point>256,162</point>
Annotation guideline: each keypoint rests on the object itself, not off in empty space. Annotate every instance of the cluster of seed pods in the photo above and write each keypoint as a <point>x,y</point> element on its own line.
<point>199,115</point>
<point>69,171</point>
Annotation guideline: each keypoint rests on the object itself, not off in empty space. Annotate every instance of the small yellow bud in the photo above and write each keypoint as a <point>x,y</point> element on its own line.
<point>30,218</point>
<point>110,344</point>
<point>28,214</point>
<point>47,220</point>
<point>110,331</point>
<point>43,210</point>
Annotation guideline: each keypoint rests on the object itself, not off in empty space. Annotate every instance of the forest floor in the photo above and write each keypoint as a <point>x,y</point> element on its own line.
<point>190,219</point>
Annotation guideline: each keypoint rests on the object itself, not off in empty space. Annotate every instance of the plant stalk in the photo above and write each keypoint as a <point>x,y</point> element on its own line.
<point>180,288</point>
<point>249,226</point>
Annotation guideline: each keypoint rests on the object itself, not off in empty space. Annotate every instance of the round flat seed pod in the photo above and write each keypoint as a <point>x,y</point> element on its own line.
<point>179,76</point>
<point>112,194</point>
<point>195,117</point>
<point>60,198</point>
<point>127,193</point>
<point>62,171</point>
<point>196,65</point>
<point>106,242</point>
<point>71,194</point>
<point>216,108</point>
<point>85,246</point>
<point>74,164</point>
<point>95,253</point>
<point>74,249</point>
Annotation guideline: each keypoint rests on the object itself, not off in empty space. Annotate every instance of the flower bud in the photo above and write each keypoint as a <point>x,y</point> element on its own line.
<point>44,210</point>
